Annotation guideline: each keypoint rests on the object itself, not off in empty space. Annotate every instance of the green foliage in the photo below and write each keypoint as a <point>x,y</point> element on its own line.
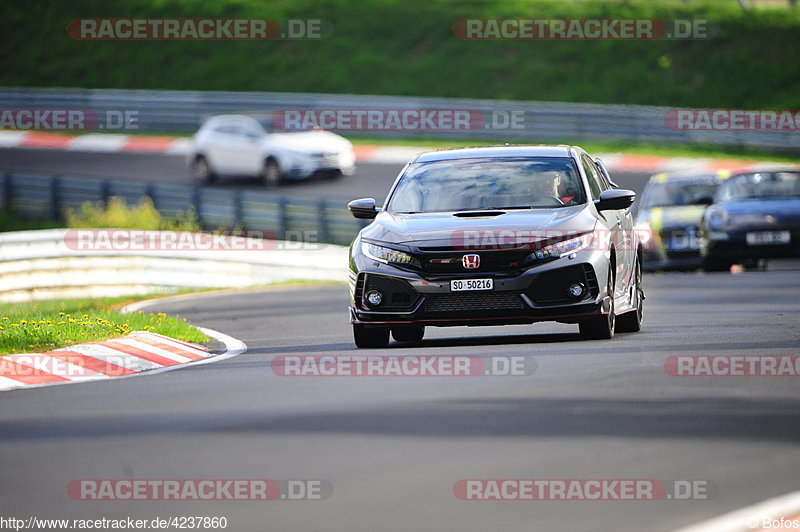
<point>13,221</point>
<point>407,47</point>
<point>118,214</point>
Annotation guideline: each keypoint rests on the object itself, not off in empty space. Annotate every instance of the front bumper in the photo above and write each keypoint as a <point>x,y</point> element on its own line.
<point>733,246</point>
<point>302,167</point>
<point>673,248</point>
<point>527,296</point>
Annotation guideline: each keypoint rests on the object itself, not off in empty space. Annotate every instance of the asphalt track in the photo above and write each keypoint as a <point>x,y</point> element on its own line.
<point>393,447</point>
<point>370,180</point>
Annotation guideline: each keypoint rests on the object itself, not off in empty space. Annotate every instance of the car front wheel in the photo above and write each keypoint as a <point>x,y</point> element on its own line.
<point>601,327</point>
<point>711,264</point>
<point>370,337</point>
<point>632,321</point>
<point>202,170</point>
<point>271,173</point>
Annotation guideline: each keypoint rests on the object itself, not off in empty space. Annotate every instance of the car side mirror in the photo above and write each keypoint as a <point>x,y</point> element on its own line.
<point>615,199</point>
<point>363,208</point>
<point>703,199</point>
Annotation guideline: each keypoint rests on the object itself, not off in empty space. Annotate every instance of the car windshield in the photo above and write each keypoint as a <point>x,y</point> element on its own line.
<point>761,185</point>
<point>487,183</point>
<point>677,193</point>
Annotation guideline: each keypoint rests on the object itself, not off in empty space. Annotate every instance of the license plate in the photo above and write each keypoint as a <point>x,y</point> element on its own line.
<point>463,285</point>
<point>765,238</point>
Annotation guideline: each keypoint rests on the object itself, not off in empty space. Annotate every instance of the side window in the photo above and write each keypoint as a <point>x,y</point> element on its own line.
<point>227,129</point>
<point>591,176</point>
<point>251,129</point>
<point>239,130</point>
<point>604,183</point>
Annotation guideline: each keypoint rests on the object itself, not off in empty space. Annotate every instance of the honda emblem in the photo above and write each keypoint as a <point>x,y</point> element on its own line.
<point>471,262</point>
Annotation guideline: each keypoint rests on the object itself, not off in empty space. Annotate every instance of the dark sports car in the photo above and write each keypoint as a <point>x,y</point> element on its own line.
<point>753,216</point>
<point>668,218</point>
<point>494,236</point>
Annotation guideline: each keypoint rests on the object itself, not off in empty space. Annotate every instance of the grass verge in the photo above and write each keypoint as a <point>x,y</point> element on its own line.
<point>406,47</point>
<point>40,326</point>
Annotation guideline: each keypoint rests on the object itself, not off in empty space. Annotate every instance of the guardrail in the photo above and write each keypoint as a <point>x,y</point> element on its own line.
<point>549,122</point>
<point>42,265</point>
<point>277,216</point>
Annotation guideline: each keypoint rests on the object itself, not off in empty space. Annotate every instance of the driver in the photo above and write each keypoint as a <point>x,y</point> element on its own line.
<point>545,185</point>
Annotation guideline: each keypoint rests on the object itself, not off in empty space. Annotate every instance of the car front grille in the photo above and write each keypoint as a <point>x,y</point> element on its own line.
<point>490,261</point>
<point>473,302</point>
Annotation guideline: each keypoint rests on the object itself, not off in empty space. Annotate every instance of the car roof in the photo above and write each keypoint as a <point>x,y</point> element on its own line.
<point>770,170</point>
<point>229,118</point>
<point>495,151</point>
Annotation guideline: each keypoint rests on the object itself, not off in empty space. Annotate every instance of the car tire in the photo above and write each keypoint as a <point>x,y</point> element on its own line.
<point>754,265</point>
<point>411,333</point>
<point>711,264</point>
<point>601,327</point>
<point>271,173</point>
<point>370,337</point>
<point>632,321</point>
<point>201,169</point>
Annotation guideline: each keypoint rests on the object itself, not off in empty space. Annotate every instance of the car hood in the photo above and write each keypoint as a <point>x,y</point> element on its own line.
<point>309,141</point>
<point>777,212</point>
<point>443,229</point>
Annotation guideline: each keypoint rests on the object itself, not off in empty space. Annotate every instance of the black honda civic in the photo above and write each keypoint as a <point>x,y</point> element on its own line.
<point>496,235</point>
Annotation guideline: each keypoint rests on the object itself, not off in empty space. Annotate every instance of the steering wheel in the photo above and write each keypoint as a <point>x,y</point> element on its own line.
<point>545,198</point>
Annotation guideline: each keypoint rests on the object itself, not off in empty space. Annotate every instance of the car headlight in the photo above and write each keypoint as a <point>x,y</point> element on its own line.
<point>716,216</point>
<point>386,255</point>
<point>565,247</point>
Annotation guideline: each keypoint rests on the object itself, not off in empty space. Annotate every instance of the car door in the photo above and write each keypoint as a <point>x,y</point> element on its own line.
<point>221,149</point>
<point>613,222</point>
<point>250,148</point>
<point>628,234</point>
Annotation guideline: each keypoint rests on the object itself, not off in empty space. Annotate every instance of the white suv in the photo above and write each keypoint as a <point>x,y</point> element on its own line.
<point>237,145</point>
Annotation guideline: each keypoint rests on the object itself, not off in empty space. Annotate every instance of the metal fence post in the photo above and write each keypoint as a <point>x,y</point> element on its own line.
<point>195,203</point>
<point>105,191</point>
<point>150,192</point>
<point>55,184</point>
<point>322,222</point>
<point>283,217</point>
<point>238,210</point>
<point>7,192</point>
